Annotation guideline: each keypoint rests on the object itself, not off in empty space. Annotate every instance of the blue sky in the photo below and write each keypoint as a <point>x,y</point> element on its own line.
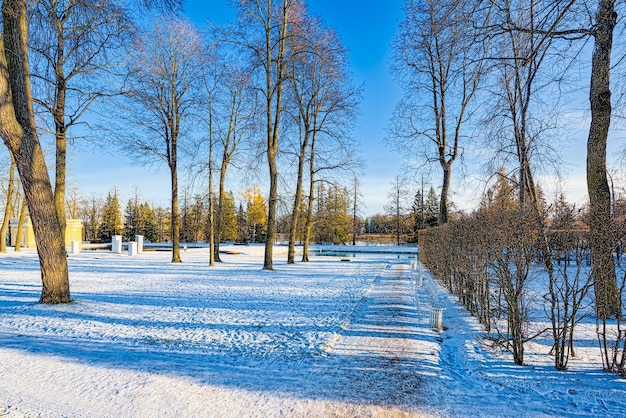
<point>366,29</point>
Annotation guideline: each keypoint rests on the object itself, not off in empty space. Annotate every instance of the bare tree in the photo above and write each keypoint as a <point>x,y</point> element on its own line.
<point>397,206</point>
<point>72,45</point>
<point>165,69</point>
<point>438,62</point>
<point>603,266</point>
<point>317,72</point>
<point>601,29</point>
<point>231,112</point>
<point>18,132</point>
<point>17,129</point>
<point>268,26</point>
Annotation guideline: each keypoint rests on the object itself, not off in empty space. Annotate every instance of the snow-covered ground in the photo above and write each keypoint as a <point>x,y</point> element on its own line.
<point>148,338</point>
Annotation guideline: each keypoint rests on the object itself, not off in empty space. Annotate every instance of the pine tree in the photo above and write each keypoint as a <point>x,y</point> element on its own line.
<point>131,219</point>
<point>111,222</point>
<point>431,207</point>
<point>229,218</point>
<point>242,225</point>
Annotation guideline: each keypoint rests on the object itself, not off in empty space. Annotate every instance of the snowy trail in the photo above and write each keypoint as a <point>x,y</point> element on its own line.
<point>380,347</point>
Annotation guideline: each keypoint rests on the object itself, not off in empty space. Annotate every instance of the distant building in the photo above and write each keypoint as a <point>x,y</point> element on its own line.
<point>73,232</point>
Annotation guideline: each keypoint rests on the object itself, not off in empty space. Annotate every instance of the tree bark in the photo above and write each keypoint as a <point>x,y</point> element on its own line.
<point>8,208</point>
<point>17,128</point>
<point>603,267</point>
<point>213,242</point>
<point>219,223</point>
<point>308,228</point>
<point>20,226</point>
<point>295,214</point>
<point>274,86</point>
<point>445,191</point>
<point>175,222</point>
<point>61,155</point>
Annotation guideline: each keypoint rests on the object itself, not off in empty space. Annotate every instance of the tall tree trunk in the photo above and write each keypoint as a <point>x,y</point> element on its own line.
<point>8,208</point>
<point>271,210</point>
<point>354,211</point>
<point>20,226</point>
<point>61,156</point>
<point>219,223</point>
<point>213,242</point>
<point>445,191</point>
<point>295,214</point>
<point>175,221</point>
<point>17,128</point>
<point>273,120</point>
<point>308,228</point>
<point>603,267</point>
<point>60,129</point>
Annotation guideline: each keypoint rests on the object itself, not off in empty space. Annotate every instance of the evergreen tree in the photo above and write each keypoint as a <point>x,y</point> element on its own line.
<point>229,218</point>
<point>194,218</point>
<point>242,225</point>
<point>111,222</point>
<point>149,230</point>
<point>131,218</point>
<point>418,213</point>
<point>431,207</point>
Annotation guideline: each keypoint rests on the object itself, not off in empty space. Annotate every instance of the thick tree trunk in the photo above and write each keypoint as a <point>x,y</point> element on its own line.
<point>61,157</point>
<point>17,128</point>
<point>603,267</point>
<point>60,129</point>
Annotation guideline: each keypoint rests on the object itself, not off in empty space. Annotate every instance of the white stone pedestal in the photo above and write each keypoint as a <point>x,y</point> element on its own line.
<point>132,248</point>
<point>116,244</point>
<point>139,241</point>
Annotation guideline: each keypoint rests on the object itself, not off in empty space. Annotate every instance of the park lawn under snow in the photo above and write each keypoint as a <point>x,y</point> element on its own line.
<point>146,337</point>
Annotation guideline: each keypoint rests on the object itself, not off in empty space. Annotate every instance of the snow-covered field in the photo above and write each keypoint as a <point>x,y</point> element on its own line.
<point>146,338</point>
